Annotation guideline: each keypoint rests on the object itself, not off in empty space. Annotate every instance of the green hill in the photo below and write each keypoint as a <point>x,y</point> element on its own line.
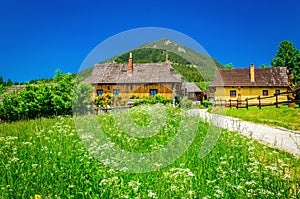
<point>197,58</point>
<point>192,65</point>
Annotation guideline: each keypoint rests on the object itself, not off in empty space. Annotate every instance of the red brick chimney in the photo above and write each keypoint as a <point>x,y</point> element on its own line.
<point>130,63</point>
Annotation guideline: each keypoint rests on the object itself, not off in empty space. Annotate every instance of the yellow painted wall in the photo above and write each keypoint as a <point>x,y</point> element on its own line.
<point>138,89</point>
<point>250,92</point>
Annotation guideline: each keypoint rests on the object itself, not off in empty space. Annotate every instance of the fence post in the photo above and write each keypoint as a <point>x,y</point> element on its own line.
<point>276,95</point>
<point>259,105</point>
<point>247,103</point>
<point>230,103</point>
<point>237,104</point>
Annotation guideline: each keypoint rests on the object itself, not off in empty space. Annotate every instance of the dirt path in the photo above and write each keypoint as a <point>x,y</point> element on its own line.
<point>276,137</point>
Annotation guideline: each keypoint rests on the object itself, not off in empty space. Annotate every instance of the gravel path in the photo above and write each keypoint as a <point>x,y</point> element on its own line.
<point>276,137</point>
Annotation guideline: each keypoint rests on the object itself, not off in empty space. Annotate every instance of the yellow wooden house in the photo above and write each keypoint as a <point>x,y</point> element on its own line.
<point>129,79</point>
<point>245,83</point>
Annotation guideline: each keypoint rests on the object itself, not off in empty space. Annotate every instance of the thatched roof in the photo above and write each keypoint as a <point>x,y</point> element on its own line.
<point>142,73</point>
<point>191,87</point>
<point>271,77</point>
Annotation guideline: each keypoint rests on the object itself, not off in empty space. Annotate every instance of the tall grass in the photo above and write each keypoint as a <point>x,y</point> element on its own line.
<point>47,158</point>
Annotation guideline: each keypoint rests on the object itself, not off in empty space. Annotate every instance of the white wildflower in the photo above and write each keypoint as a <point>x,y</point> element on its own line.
<point>190,192</point>
<point>239,187</point>
<point>210,181</point>
<point>103,182</point>
<point>124,169</point>
<point>115,178</point>
<point>173,187</point>
<point>34,165</point>
<point>151,194</point>
<point>224,162</point>
<point>220,192</point>
<point>252,182</point>
<point>11,138</point>
<point>158,164</point>
<point>287,176</point>
<point>15,159</point>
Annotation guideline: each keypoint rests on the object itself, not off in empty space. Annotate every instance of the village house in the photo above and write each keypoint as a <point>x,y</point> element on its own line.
<point>191,91</point>
<point>138,79</point>
<point>243,83</point>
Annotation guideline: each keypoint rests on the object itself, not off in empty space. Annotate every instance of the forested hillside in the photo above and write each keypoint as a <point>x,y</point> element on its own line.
<point>192,65</point>
<point>190,72</point>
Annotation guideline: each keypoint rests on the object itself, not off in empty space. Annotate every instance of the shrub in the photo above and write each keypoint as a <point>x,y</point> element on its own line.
<point>103,100</point>
<point>134,96</point>
<point>152,100</point>
<point>186,103</point>
<point>206,103</point>
<point>36,101</point>
<point>123,102</point>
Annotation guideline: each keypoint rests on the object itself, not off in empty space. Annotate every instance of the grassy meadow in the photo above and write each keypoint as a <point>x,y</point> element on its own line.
<point>284,116</point>
<point>46,158</point>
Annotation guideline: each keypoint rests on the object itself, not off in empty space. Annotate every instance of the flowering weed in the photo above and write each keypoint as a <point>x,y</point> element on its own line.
<point>46,158</point>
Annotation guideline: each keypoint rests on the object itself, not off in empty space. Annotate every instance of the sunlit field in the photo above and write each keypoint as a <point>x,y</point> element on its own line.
<point>47,158</point>
<point>284,116</point>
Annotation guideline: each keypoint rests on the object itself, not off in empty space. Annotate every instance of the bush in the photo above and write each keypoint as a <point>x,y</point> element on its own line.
<point>186,103</point>
<point>103,100</point>
<point>36,101</point>
<point>152,100</point>
<point>206,103</point>
<point>134,96</point>
<point>201,106</point>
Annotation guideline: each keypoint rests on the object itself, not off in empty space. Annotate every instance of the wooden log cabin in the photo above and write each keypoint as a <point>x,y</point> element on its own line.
<point>243,83</point>
<point>192,92</point>
<point>138,79</point>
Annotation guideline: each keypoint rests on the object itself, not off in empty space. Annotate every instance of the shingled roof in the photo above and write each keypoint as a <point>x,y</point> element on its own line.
<point>142,73</point>
<point>191,87</point>
<point>241,77</point>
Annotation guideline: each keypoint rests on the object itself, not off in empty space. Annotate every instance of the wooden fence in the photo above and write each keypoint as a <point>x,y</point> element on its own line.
<point>239,103</point>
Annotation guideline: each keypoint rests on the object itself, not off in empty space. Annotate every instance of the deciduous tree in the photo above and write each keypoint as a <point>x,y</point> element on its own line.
<point>229,65</point>
<point>288,56</point>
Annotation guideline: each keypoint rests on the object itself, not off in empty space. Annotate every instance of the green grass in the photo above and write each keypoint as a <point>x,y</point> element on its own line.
<point>46,157</point>
<point>284,116</point>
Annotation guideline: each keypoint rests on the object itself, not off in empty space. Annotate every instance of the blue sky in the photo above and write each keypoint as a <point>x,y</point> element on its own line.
<point>36,37</point>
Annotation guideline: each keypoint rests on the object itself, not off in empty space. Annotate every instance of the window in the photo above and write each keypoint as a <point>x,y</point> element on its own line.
<point>153,92</point>
<point>277,91</point>
<point>233,93</point>
<point>99,92</point>
<point>265,92</point>
<point>116,91</point>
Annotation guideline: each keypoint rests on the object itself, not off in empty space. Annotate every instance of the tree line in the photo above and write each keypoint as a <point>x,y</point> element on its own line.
<point>39,100</point>
<point>4,85</point>
<point>288,56</point>
<point>62,96</point>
